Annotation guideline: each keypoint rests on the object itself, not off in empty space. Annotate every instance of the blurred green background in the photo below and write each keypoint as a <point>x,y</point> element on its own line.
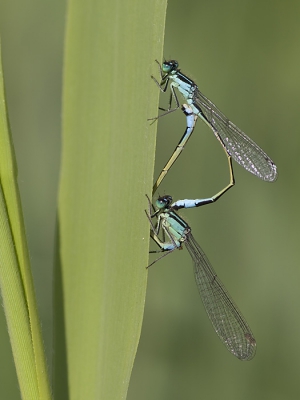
<point>245,56</point>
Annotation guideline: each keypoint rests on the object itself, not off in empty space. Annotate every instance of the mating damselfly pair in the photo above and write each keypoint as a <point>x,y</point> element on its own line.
<point>225,317</point>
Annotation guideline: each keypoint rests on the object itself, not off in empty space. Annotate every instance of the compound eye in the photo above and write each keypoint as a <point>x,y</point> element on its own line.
<point>169,66</point>
<point>163,202</point>
<point>166,67</point>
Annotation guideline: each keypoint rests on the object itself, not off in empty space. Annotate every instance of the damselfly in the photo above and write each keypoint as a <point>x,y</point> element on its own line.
<point>238,145</point>
<point>227,320</point>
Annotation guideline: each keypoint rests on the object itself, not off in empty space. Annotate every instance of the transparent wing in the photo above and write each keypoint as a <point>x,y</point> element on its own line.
<point>242,149</point>
<point>225,317</point>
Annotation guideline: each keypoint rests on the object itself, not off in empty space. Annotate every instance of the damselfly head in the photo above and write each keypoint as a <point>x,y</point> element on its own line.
<point>170,66</point>
<point>163,201</point>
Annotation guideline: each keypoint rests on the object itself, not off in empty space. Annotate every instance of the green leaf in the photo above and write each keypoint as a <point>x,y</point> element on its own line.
<point>107,168</point>
<point>15,275</point>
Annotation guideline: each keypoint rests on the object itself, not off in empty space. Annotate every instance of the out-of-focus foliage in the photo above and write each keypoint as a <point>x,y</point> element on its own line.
<point>32,43</point>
